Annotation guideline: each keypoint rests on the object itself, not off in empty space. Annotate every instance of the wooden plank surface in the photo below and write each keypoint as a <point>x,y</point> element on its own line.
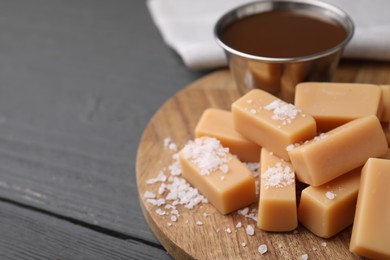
<point>75,95</point>
<point>28,235</point>
<point>177,119</point>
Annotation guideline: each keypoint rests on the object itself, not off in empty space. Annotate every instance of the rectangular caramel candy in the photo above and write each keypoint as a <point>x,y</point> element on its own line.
<point>334,104</point>
<point>328,209</point>
<point>277,202</point>
<point>385,117</point>
<point>371,228</point>
<point>218,123</point>
<point>226,182</point>
<point>271,122</point>
<point>338,151</point>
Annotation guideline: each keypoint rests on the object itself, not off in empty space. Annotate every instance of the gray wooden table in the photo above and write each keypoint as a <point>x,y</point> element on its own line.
<point>79,81</point>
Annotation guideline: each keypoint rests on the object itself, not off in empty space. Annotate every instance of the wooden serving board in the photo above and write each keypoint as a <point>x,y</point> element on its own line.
<point>185,239</point>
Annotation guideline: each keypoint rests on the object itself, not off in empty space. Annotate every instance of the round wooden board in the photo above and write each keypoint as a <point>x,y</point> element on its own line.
<point>184,239</point>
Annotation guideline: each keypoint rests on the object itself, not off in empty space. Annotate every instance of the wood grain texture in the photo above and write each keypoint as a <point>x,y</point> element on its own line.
<point>177,119</point>
<point>32,235</point>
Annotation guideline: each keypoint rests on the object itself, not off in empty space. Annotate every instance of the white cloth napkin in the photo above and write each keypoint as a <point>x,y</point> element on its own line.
<point>187,27</point>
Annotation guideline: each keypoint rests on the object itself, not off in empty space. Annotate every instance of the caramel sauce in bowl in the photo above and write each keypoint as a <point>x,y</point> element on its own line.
<point>275,44</point>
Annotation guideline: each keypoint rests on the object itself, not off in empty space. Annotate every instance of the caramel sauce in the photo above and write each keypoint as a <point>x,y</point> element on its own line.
<point>283,34</point>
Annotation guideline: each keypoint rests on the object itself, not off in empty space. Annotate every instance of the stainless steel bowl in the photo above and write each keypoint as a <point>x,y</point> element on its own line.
<point>279,76</point>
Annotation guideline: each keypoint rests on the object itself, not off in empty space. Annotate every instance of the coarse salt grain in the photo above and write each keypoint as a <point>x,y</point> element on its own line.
<point>173,218</point>
<point>199,223</point>
<point>207,154</point>
<point>291,147</point>
<point>243,211</point>
<point>323,244</point>
<point>304,257</point>
<point>156,202</point>
<point>228,230</point>
<point>160,178</point>
<point>320,137</point>
<point>250,230</point>
<point>283,111</point>
<point>278,176</point>
<point>169,144</point>
<point>239,224</point>
<point>149,195</point>
<point>330,195</point>
<point>243,244</point>
<point>263,249</point>
<point>161,212</point>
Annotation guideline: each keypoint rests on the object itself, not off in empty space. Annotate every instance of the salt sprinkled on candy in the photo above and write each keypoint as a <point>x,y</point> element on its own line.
<point>330,195</point>
<point>239,224</point>
<point>278,176</point>
<point>207,154</point>
<point>283,111</point>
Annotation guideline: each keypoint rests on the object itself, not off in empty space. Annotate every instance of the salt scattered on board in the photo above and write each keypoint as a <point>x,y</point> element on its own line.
<point>263,249</point>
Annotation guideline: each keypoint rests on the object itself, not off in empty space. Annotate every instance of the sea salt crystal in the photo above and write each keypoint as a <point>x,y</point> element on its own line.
<point>320,137</point>
<point>239,224</point>
<point>291,147</point>
<point>199,223</point>
<point>304,257</point>
<point>173,218</point>
<point>228,230</point>
<point>250,230</point>
<point>149,195</point>
<point>156,202</point>
<point>160,178</point>
<point>262,249</point>
<point>243,244</point>
<point>330,195</point>
<point>323,244</point>
<point>207,154</point>
<point>283,111</point>
<point>161,212</point>
<point>169,144</point>
<point>278,176</point>
<point>243,211</point>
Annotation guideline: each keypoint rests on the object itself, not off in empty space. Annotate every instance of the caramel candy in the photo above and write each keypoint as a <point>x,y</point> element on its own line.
<point>328,209</point>
<point>371,229</point>
<point>271,122</point>
<point>277,203</point>
<point>226,182</point>
<point>338,151</point>
<point>385,117</point>
<point>334,104</point>
<point>218,123</point>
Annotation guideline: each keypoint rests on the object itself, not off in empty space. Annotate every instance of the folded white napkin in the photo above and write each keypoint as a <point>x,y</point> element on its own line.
<point>187,27</point>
